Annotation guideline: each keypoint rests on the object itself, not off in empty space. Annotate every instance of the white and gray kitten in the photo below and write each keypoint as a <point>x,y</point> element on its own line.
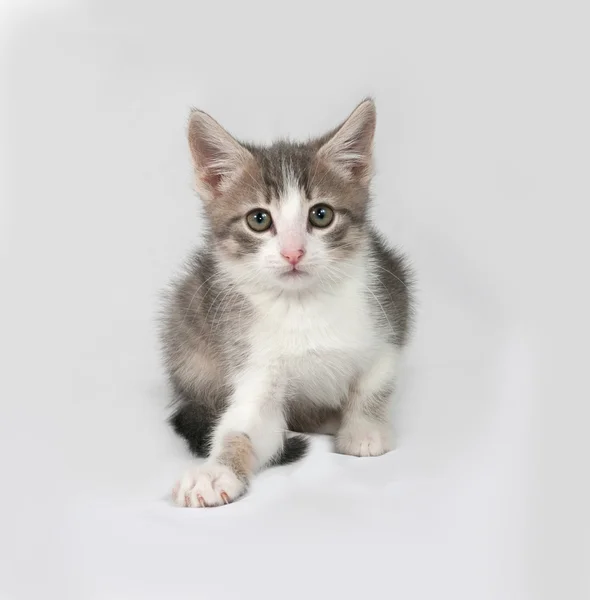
<point>292,315</point>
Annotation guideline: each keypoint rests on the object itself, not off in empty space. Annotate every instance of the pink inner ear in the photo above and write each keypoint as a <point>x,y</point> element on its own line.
<point>213,180</point>
<point>360,169</point>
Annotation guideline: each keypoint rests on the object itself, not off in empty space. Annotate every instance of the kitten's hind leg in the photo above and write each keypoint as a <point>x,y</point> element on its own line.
<point>249,435</point>
<point>195,422</point>
<point>366,427</point>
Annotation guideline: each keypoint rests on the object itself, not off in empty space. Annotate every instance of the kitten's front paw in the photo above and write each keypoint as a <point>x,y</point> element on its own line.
<point>208,485</point>
<point>363,440</point>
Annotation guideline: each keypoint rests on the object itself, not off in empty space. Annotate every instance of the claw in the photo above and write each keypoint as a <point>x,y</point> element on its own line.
<point>201,501</point>
<point>187,500</point>
<point>224,497</point>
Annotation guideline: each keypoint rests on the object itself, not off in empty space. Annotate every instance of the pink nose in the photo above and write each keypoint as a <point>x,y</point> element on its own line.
<point>293,256</point>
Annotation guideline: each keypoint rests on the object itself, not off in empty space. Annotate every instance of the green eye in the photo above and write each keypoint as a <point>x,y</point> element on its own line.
<point>259,220</point>
<point>321,215</point>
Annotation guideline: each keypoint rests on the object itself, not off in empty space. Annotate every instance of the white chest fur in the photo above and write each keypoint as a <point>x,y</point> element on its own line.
<point>318,342</point>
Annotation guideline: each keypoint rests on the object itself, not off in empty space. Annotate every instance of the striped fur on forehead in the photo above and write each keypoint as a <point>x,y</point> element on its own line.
<point>284,164</point>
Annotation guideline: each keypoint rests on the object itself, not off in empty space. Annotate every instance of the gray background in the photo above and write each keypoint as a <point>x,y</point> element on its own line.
<point>482,178</point>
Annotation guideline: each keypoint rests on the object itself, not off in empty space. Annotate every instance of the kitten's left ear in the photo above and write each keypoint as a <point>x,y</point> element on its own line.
<point>349,150</point>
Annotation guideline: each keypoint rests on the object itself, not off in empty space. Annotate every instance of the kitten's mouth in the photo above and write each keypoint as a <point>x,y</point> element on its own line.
<point>293,273</point>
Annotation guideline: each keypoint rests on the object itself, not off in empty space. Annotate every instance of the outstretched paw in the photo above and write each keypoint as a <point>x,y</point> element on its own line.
<point>207,486</point>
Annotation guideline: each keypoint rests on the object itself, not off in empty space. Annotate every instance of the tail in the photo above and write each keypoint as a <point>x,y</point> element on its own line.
<point>294,448</point>
<point>196,423</point>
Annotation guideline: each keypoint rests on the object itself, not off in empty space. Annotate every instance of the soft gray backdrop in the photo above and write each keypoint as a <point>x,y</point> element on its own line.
<point>482,177</point>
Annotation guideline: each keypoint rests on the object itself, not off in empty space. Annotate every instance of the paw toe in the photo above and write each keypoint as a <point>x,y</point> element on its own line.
<point>207,486</point>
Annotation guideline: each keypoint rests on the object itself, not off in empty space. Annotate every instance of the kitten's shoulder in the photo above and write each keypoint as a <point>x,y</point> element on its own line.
<point>386,256</point>
<point>393,283</point>
<point>191,290</point>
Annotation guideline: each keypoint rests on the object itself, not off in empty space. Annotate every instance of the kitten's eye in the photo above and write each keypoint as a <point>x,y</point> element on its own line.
<point>259,220</point>
<point>321,215</point>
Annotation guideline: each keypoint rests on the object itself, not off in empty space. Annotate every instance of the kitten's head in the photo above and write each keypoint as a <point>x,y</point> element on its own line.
<point>292,215</point>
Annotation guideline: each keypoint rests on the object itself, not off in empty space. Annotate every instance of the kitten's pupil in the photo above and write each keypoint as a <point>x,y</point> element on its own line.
<point>321,213</point>
<point>260,217</point>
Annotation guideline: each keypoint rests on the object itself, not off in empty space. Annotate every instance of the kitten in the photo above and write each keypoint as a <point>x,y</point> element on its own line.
<point>292,315</point>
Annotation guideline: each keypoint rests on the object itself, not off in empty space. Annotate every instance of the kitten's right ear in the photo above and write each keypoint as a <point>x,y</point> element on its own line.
<point>217,156</point>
